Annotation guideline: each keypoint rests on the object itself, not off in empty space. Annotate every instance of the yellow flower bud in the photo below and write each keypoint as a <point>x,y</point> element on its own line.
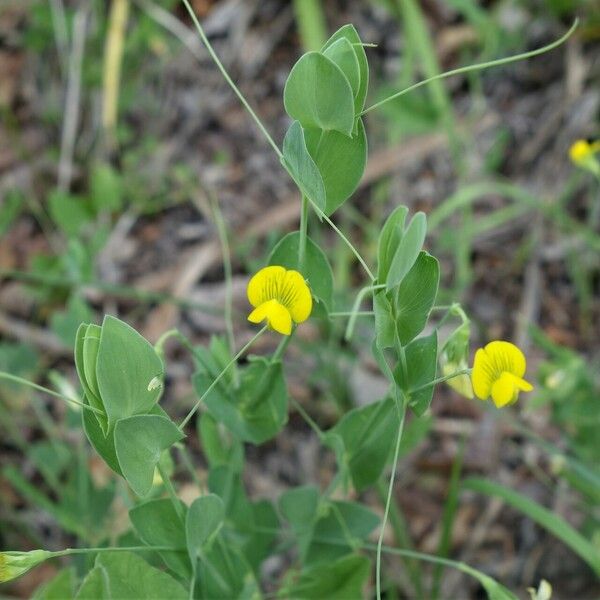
<point>583,154</point>
<point>14,564</point>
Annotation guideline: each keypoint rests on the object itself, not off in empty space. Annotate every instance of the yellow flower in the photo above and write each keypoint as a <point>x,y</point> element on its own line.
<point>582,153</point>
<point>14,564</point>
<point>498,371</point>
<point>279,297</point>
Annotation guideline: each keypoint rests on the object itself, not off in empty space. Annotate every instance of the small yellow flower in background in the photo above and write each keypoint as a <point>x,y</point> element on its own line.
<point>14,564</point>
<point>544,591</point>
<point>498,371</point>
<point>279,297</point>
<point>582,153</point>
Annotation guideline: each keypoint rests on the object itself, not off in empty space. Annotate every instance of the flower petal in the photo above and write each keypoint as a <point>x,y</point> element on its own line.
<point>277,316</point>
<point>506,357</point>
<point>504,390</point>
<point>265,285</point>
<point>482,375</point>
<point>300,299</point>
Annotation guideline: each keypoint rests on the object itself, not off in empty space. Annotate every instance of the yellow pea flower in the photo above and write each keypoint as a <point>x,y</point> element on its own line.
<point>582,153</point>
<point>498,371</point>
<point>279,297</point>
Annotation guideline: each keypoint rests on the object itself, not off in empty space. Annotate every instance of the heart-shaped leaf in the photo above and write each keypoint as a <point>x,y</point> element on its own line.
<point>204,519</point>
<point>318,94</point>
<point>139,442</point>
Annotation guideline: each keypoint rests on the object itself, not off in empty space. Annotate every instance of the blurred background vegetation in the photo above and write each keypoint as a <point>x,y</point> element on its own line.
<point>119,211</point>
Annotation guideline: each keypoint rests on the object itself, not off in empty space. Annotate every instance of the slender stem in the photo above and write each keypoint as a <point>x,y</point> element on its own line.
<point>228,272</point>
<point>228,79</point>
<point>303,232</point>
<point>312,424</point>
<point>349,313</point>
<point>219,376</point>
<point>171,490</point>
<point>441,380</point>
<point>70,551</point>
<point>40,388</point>
<point>401,408</point>
<point>189,465</point>
<point>356,306</point>
<point>282,346</point>
<point>476,67</point>
<point>403,539</point>
<point>348,243</point>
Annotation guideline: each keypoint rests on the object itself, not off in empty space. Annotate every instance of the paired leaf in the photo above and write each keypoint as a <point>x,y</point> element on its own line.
<point>158,524</point>
<point>316,269</point>
<point>389,238</point>
<point>257,410</point>
<point>349,33</point>
<point>87,344</point>
<point>344,579</point>
<point>104,445</point>
<point>126,365</point>
<point>204,519</point>
<point>367,433</point>
<point>299,507</point>
<point>407,250</point>
<point>139,442</point>
<point>318,94</point>
<point>219,445</point>
<point>416,296</point>
<point>335,532</point>
<point>126,575</point>
<point>343,55</point>
<point>301,166</point>
<point>341,162</point>
<point>421,365</point>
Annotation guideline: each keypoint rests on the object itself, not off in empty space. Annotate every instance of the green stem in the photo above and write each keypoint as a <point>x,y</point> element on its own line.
<point>283,344</point>
<point>35,386</point>
<point>189,465</point>
<point>71,551</point>
<point>441,380</point>
<point>401,408</point>
<point>308,419</point>
<point>303,233</point>
<point>402,535</point>
<point>477,67</point>
<point>357,302</point>
<point>228,79</point>
<point>349,313</point>
<point>227,271</point>
<point>171,490</point>
<point>348,243</point>
<point>219,376</point>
